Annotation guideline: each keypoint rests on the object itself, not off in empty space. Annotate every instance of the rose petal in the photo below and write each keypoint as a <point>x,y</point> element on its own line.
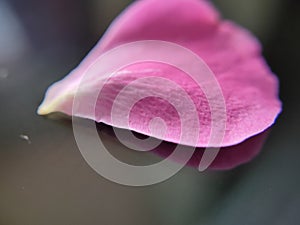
<point>234,55</point>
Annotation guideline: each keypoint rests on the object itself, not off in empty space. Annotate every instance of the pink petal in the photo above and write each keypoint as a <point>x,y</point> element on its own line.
<point>249,87</point>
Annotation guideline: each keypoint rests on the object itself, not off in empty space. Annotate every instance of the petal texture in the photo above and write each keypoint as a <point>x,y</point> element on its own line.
<point>249,88</point>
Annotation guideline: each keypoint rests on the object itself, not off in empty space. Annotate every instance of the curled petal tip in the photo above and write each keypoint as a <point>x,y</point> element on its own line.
<point>42,111</point>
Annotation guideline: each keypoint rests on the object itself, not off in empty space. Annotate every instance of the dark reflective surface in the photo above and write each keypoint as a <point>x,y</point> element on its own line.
<point>47,181</point>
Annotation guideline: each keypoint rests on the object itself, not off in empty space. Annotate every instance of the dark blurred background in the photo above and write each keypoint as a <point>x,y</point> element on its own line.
<point>43,177</point>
